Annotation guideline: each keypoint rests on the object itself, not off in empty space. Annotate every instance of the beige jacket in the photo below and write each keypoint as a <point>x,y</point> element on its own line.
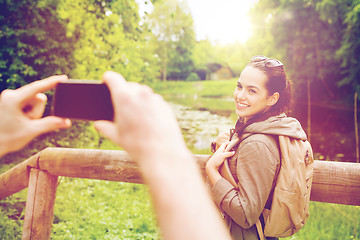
<point>254,166</point>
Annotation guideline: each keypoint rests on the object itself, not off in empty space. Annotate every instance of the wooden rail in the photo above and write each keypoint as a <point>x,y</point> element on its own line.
<point>333,182</point>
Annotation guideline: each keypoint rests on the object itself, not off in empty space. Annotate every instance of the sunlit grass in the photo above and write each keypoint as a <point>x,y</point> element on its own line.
<point>209,88</point>
<point>330,222</point>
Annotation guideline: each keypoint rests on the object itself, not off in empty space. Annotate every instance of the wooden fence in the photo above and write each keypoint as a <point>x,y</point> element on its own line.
<point>333,182</point>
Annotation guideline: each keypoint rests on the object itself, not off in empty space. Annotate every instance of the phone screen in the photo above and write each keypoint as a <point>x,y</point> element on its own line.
<point>84,100</point>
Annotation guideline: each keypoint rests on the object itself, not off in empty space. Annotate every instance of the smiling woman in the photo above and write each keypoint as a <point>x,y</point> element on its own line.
<point>222,21</point>
<point>251,96</point>
<point>262,97</point>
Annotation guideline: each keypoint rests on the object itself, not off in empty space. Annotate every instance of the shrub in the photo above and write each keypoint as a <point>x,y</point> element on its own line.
<point>193,77</point>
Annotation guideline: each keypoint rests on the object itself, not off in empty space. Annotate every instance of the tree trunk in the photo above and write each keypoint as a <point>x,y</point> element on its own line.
<point>356,127</point>
<point>165,65</point>
<point>308,109</point>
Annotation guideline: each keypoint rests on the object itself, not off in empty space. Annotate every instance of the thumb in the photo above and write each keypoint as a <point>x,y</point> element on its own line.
<point>48,124</point>
<point>229,154</point>
<point>108,129</point>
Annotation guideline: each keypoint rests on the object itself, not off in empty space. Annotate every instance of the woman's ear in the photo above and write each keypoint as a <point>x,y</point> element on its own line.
<point>272,100</point>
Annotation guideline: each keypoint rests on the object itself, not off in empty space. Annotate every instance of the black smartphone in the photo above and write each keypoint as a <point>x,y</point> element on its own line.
<point>83,100</point>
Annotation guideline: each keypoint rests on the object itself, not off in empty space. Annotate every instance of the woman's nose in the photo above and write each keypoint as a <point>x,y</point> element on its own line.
<point>239,94</point>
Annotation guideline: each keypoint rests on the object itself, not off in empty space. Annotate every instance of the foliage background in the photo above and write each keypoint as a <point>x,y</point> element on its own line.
<point>317,40</point>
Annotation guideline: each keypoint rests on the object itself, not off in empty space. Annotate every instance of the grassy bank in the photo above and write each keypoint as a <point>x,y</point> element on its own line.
<point>219,88</point>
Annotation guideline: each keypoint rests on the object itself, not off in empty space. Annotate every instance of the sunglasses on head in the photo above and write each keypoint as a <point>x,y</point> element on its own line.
<point>269,62</point>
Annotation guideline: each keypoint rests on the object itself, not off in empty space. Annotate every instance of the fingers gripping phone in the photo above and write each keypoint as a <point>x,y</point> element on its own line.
<point>83,100</point>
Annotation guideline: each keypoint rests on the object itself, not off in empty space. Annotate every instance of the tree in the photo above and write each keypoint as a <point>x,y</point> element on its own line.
<point>203,54</point>
<point>307,40</point>
<point>318,40</point>
<point>172,28</point>
<point>33,42</point>
<point>180,58</point>
<point>349,52</point>
<point>108,38</point>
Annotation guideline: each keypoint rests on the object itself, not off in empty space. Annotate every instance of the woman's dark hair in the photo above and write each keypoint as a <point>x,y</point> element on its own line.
<point>276,82</point>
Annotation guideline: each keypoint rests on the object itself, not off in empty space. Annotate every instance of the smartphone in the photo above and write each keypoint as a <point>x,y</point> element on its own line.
<point>83,100</point>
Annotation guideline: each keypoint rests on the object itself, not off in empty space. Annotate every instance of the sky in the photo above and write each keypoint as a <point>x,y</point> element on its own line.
<point>220,21</point>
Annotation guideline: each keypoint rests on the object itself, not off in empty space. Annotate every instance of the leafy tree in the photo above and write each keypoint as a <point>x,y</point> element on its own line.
<point>203,53</point>
<point>235,55</point>
<point>109,38</point>
<point>33,42</point>
<point>181,64</point>
<point>172,28</point>
<point>349,53</point>
<point>81,38</point>
<point>318,41</point>
<point>307,41</point>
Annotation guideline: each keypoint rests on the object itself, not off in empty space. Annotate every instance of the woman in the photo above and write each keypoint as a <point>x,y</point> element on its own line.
<point>262,97</point>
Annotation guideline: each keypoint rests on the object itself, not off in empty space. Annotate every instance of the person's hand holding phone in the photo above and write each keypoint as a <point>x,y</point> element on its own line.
<point>146,127</point>
<point>21,114</point>
<point>143,122</point>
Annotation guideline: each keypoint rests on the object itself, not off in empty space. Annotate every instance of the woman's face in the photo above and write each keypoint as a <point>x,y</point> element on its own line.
<point>251,96</point>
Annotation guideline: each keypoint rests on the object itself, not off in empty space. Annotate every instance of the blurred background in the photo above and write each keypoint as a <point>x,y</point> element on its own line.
<point>192,53</point>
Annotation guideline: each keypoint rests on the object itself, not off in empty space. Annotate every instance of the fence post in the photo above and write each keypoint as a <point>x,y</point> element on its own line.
<point>40,202</point>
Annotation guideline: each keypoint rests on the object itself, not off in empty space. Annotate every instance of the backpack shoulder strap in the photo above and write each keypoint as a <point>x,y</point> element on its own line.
<point>224,169</point>
<point>260,230</point>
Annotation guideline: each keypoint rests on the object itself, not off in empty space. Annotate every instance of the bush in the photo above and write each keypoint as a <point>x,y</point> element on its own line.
<point>193,77</point>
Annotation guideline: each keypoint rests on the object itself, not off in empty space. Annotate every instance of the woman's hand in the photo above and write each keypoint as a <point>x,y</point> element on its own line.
<point>214,163</point>
<point>221,138</point>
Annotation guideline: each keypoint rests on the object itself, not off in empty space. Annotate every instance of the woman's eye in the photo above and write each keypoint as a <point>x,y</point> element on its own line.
<point>252,91</point>
<point>239,86</point>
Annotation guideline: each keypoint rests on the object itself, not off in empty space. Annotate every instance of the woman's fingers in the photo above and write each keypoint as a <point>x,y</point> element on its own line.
<point>223,146</point>
<point>229,154</point>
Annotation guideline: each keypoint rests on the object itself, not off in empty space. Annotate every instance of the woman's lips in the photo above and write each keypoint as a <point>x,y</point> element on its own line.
<point>240,105</point>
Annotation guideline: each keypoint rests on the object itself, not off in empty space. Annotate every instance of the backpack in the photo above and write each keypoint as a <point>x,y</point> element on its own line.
<point>290,205</point>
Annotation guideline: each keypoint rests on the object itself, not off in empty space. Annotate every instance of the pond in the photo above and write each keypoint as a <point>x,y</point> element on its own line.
<point>200,127</point>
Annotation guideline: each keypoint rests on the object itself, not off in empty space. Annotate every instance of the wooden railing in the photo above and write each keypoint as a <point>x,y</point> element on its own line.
<point>333,182</point>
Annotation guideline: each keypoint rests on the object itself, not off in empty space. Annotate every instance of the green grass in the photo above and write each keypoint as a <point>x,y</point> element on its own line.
<point>94,209</point>
<point>330,222</point>
<point>219,88</point>
<point>90,209</point>
<point>103,210</point>
<point>212,88</point>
